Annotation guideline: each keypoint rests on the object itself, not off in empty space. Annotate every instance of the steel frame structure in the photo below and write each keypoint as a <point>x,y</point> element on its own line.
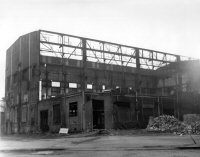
<point>73,47</point>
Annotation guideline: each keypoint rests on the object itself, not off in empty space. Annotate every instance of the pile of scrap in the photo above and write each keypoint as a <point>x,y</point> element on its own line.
<point>170,124</point>
<point>193,123</point>
<point>166,123</point>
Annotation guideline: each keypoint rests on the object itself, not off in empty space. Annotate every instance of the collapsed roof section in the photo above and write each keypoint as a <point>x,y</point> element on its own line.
<point>73,47</point>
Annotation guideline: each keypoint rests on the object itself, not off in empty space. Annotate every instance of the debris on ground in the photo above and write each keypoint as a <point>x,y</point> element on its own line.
<point>170,124</point>
<point>166,123</point>
<point>193,122</point>
<point>104,132</point>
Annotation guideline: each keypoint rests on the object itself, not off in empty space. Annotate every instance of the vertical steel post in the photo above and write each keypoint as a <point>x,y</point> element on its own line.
<point>63,106</point>
<point>83,80</point>
<point>178,84</point>
<point>137,85</point>
<point>47,80</point>
<point>19,108</point>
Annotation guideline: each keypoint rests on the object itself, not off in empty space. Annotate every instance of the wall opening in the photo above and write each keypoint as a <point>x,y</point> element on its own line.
<point>44,120</point>
<point>73,109</point>
<point>98,114</point>
<point>55,84</point>
<point>72,85</point>
<point>89,86</point>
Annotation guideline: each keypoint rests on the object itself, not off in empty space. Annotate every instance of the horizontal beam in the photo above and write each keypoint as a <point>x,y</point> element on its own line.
<point>102,51</point>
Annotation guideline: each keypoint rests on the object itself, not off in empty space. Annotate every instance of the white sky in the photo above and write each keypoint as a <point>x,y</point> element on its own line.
<point>171,26</point>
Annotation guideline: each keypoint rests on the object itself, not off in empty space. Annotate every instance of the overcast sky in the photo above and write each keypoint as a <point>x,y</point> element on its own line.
<point>171,26</point>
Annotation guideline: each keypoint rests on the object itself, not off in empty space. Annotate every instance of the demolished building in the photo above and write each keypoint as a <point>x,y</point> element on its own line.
<point>56,80</point>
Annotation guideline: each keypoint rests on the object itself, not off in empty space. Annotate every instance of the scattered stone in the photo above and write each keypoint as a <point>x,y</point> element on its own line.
<point>165,123</point>
<point>193,123</point>
<point>170,124</point>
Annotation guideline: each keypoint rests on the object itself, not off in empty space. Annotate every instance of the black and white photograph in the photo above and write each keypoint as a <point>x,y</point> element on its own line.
<point>100,78</point>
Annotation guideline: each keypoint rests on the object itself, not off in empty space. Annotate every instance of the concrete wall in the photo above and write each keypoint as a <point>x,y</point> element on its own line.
<point>124,113</point>
<point>22,75</point>
<point>75,123</point>
<point>24,50</point>
<point>48,105</point>
<point>88,114</point>
<point>84,119</point>
<point>96,74</point>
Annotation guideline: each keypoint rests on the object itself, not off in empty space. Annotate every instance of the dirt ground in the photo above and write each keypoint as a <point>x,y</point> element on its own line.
<point>114,144</point>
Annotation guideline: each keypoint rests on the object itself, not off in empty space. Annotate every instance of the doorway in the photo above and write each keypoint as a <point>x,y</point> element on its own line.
<point>98,114</point>
<point>44,120</point>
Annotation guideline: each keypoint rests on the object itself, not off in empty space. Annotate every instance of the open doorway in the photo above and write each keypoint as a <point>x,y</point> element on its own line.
<point>98,114</point>
<point>44,120</point>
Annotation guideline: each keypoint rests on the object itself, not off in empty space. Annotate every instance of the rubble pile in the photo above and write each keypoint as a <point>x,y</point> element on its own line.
<point>166,123</point>
<point>193,123</point>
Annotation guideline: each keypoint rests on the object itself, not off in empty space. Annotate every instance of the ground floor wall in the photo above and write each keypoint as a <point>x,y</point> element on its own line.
<point>104,111</point>
<point>74,112</point>
<point>85,112</point>
<point>21,119</point>
<point>49,117</point>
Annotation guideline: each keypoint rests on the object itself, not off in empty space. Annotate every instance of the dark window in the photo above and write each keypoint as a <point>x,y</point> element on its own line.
<point>73,109</point>
<point>56,114</point>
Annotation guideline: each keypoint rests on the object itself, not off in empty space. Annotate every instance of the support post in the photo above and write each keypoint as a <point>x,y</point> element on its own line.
<point>83,80</point>
<point>137,76</point>
<point>19,107</point>
<point>63,106</point>
<point>178,87</point>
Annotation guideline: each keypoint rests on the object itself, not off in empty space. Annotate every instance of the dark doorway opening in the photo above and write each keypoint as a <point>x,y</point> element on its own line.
<point>44,120</point>
<point>98,114</point>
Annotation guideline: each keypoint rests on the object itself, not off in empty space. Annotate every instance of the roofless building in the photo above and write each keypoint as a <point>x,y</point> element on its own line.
<point>58,80</point>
